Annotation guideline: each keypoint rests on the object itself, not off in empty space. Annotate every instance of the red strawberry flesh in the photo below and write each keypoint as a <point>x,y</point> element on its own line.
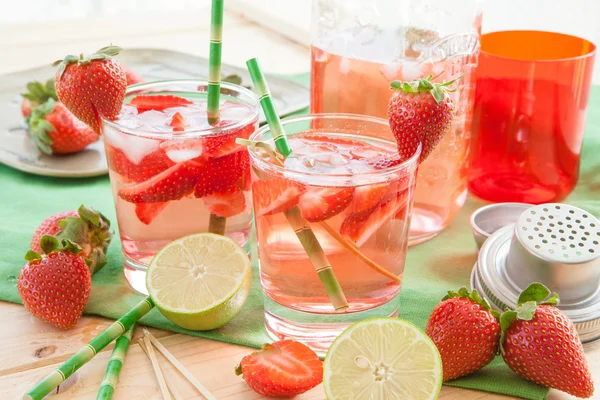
<point>147,212</point>
<point>275,195</point>
<point>158,102</point>
<point>227,204</point>
<point>218,174</point>
<point>171,184</point>
<point>320,204</point>
<point>282,369</point>
<point>150,165</point>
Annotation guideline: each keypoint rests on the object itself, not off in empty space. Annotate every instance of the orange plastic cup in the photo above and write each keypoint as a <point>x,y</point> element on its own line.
<point>530,101</point>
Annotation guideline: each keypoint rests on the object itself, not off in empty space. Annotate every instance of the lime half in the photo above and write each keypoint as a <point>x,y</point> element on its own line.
<point>200,282</point>
<point>380,359</point>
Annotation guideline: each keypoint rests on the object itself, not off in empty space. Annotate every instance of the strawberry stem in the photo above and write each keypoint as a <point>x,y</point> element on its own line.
<point>439,91</point>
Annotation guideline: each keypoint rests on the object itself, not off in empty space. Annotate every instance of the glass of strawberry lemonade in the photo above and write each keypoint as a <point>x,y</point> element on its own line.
<point>344,183</point>
<point>172,173</point>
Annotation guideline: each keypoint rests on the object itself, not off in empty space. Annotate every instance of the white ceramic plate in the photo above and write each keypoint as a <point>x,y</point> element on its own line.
<point>17,150</point>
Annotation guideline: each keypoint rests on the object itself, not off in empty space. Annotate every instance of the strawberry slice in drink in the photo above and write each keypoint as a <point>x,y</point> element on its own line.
<point>178,122</point>
<point>224,143</point>
<point>320,204</point>
<point>218,174</point>
<point>150,165</point>
<point>368,197</point>
<point>275,196</point>
<point>171,184</point>
<point>360,227</point>
<point>147,212</point>
<point>158,102</point>
<point>228,203</point>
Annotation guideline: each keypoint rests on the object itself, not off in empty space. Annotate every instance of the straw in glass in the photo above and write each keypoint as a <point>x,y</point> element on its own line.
<point>87,352</point>
<point>216,223</point>
<point>301,227</point>
<point>113,369</point>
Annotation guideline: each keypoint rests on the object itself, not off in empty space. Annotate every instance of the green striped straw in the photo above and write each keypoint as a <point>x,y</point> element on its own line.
<point>113,369</point>
<point>87,352</point>
<point>305,234</point>
<point>214,61</point>
<point>266,102</point>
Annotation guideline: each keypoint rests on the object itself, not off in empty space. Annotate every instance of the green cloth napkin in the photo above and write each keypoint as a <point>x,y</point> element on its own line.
<point>432,268</point>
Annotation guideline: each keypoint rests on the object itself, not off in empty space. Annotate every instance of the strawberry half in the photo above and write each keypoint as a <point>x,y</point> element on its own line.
<point>228,203</point>
<point>275,195</point>
<point>360,227</point>
<point>158,102</point>
<point>319,204</point>
<point>367,197</point>
<point>171,184</point>
<point>147,212</point>
<point>150,165</point>
<point>92,86</point>
<point>281,369</point>
<point>224,143</point>
<point>218,174</point>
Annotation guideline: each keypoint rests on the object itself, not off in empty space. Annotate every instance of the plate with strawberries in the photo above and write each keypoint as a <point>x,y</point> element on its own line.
<point>39,135</point>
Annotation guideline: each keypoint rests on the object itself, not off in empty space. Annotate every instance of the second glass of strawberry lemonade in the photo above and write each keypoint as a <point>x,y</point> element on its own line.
<point>172,173</point>
<point>344,183</point>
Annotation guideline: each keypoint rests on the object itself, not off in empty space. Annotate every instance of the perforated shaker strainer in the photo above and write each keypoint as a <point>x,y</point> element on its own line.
<point>555,244</point>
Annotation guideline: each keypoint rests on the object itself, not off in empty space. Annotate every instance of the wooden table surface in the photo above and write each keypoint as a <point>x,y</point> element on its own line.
<point>30,349</point>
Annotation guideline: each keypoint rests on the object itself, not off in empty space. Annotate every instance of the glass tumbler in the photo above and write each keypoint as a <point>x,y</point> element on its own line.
<point>529,115</point>
<point>172,173</point>
<point>360,46</point>
<point>330,205</point>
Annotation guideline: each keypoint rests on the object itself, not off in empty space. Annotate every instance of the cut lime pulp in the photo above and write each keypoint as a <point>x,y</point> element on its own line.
<point>201,281</point>
<point>381,359</point>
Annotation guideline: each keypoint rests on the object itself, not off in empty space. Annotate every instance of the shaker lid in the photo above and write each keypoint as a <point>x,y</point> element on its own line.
<point>554,244</point>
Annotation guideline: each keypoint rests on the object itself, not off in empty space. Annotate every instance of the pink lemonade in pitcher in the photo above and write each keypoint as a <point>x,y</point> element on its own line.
<point>350,85</point>
<point>350,185</point>
<point>173,174</point>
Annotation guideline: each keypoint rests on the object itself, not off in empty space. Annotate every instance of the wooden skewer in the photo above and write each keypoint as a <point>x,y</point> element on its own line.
<point>174,392</point>
<point>179,366</point>
<point>350,246</point>
<point>157,371</point>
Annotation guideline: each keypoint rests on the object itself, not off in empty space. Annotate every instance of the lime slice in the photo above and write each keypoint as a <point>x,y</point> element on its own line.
<point>201,281</point>
<point>382,358</point>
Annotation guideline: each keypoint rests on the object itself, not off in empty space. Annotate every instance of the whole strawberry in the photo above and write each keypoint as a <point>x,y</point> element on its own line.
<point>420,112</point>
<point>55,287</point>
<point>37,93</point>
<point>541,344</point>
<point>281,369</point>
<point>92,86</point>
<point>55,130</point>
<point>85,227</point>
<point>466,332</point>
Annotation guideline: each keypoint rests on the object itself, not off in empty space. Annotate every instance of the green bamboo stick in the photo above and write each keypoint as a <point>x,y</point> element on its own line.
<point>214,61</point>
<point>266,102</point>
<point>87,352</point>
<point>113,369</point>
<point>305,235</point>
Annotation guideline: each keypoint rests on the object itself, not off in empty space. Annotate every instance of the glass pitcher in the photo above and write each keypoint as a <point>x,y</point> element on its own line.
<point>360,46</point>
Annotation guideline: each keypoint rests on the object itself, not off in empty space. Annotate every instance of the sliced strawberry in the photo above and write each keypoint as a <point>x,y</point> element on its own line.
<point>360,227</point>
<point>178,122</point>
<point>282,369</point>
<point>319,204</point>
<point>146,212</point>
<point>158,102</point>
<point>385,161</point>
<point>228,203</point>
<point>171,184</point>
<point>275,196</point>
<point>218,174</point>
<point>367,197</point>
<point>152,164</point>
<point>224,143</point>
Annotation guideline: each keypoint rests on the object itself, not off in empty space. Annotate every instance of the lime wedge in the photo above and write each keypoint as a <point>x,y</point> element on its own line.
<point>380,359</point>
<point>201,281</point>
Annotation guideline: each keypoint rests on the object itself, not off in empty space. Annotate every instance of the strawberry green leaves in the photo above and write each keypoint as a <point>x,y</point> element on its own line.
<point>472,295</point>
<point>437,90</point>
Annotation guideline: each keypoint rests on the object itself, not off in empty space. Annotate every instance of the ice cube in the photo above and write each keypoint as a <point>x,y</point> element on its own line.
<point>178,156</point>
<point>344,66</point>
<point>331,159</point>
<point>234,112</point>
<point>153,118</point>
<point>411,71</point>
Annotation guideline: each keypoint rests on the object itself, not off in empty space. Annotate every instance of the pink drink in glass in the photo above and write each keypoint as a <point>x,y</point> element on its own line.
<point>350,85</point>
<point>333,178</point>
<point>172,173</point>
